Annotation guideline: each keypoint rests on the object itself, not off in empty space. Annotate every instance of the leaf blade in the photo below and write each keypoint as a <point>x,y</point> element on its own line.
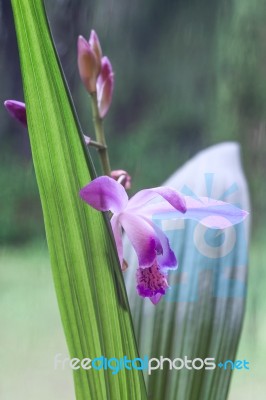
<point>87,276</point>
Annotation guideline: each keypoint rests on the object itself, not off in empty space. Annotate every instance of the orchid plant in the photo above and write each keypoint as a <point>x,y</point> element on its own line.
<point>107,193</point>
<point>86,264</point>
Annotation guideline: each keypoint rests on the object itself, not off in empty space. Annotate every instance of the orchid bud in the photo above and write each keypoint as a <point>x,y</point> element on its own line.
<point>105,87</point>
<point>17,110</point>
<point>88,63</point>
<point>122,177</point>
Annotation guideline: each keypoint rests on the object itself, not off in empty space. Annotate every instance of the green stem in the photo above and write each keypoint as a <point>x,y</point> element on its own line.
<point>97,145</point>
<point>100,137</point>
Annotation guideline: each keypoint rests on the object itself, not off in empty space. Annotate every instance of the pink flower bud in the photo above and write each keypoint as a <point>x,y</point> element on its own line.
<point>88,64</point>
<point>105,87</point>
<point>17,110</point>
<point>122,177</point>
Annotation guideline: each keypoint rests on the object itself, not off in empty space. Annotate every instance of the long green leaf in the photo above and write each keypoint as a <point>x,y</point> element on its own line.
<point>87,276</point>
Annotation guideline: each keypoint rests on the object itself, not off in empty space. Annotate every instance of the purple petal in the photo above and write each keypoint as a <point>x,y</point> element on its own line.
<point>105,99</point>
<point>151,282</point>
<point>155,299</point>
<point>117,231</point>
<point>211,213</point>
<point>105,194</point>
<point>159,208</point>
<point>83,44</point>
<point>95,44</point>
<point>88,64</point>
<point>214,213</point>
<point>170,195</point>
<point>166,260</point>
<point>143,238</point>
<point>106,71</point>
<point>17,110</point>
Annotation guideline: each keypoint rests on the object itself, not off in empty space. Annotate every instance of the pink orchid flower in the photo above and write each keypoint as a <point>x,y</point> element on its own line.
<point>134,215</point>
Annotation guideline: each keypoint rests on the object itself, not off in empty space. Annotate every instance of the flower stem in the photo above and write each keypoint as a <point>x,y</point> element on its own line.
<point>97,145</point>
<point>100,137</point>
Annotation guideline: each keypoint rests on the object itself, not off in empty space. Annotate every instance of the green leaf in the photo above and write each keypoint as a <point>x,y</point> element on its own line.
<point>201,316</point>
<point>88,281</point>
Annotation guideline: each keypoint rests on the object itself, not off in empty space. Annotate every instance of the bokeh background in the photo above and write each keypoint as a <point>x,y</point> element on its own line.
<point>188,74</point>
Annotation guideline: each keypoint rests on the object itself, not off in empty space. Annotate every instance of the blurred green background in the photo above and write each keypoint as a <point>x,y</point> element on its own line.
<point>188,74</point>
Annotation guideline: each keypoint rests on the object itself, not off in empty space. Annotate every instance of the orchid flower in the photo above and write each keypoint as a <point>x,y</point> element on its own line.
<point>134,215</point>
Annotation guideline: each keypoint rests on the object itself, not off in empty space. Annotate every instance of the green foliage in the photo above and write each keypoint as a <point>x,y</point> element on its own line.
<point>40,336</point>
<point>239,106</point>
<point>87,275</point>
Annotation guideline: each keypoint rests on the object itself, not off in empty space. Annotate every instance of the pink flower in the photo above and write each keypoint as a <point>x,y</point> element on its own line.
<point>155,256</point>
<point>105,87</point>
<point>17,110</point>
<point>89,60</point>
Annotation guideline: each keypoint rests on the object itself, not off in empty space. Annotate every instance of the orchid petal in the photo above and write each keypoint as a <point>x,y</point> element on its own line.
<point>105,87</point>
<point>155,299</point>
<point>161,207</point>
<point>117,231</point>
<point>106,96</point>
<point>166,260</point>
<point>214,213</point>
<point>105,194</point>
<point>95,45</point>
<point>174,198</point>
<point>143,238</point>
<point>87,64</point>
<point>106,71</point>
<point>211,213</point>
